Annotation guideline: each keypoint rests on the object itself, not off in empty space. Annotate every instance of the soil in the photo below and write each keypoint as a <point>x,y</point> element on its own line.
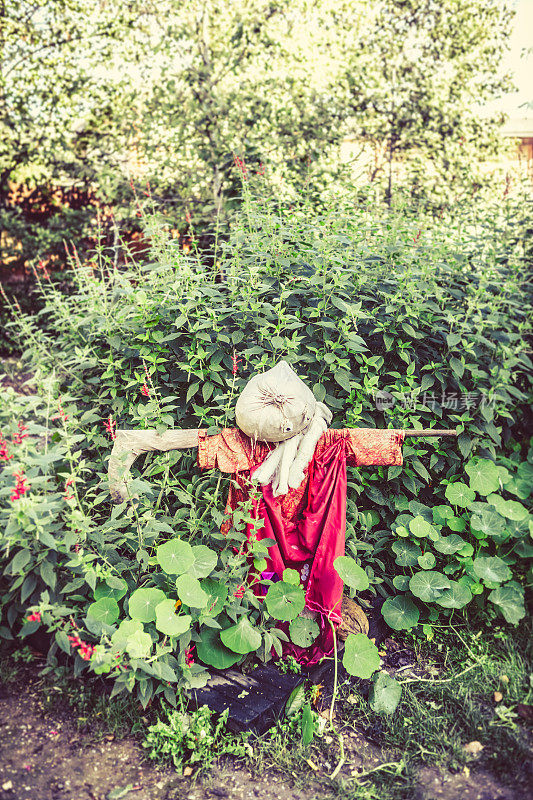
<point>43,756</point>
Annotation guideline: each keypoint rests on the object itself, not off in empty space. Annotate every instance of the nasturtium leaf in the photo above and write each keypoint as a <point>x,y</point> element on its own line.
<point>484,476</point>
<point>510,509</point>
<point>216,596</point>
<point>260,564</point>
<point>351,573</point>
<point>400,613</point>
<point>406,553</point>
<point>241,638</point>
<point>420,510</point>
<point>125,630</point>
<point>457,524</point>
<point>420,527</point>
<point>449,544</point>
<point>291,576</point>
<point>385,694</point>
<point>307,725</point>
<point>459,494</point>
<point>168,622</point>
<point>492,568</point>
<point>488,522</point>
<point>205,561</point>
<point>175,557</point>
<point>466,550</point>
<point>510,601</point>
<point>105,610</point>
<point>190,591</point>
<point>441,514</point>
<point>427,561</point>
<point>139,645</point>
<point>212,651</point>
<point>303,632</point>
<point>402,532</point>
<point>428,585</point>
<point>456,596</point>
<point>102,589</point>
<point>361,656</point>
<point>142,604</point>
<point>284,601</point>
<point>401,582</point>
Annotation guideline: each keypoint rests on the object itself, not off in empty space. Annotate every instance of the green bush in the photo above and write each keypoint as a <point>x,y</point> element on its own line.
<point>393,321</point>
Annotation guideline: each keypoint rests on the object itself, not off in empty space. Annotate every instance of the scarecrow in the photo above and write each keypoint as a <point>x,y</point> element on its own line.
<point>283,445</point>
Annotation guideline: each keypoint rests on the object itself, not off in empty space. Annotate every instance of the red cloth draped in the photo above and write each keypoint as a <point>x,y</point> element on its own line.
<point>308,524</point>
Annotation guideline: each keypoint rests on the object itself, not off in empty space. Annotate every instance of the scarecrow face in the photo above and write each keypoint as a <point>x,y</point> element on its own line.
<point>275,405</point>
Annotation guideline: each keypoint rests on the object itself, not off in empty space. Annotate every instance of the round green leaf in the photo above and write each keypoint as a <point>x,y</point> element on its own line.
<point>459,494</point>
<point>488,522</point>
<point>510,601</point>
<point>168,622</point>
<point>420,527</point>
<point>449,544</point>
<point>457,524</point>
<point>400,613</point>
<point>139,645</point>
<point>143,602</point>
<point>492,568</point>
<point>385,694</point>
<point>216,596</point>
<point>241,638</point>
<point>441,514</point>
<point>484,476</point>
<point>102,589</point>
<point>406,553</point>
<point>428,585</point>
<point>284,601</point>
<point>175,557</point>
<point>190,591</point>
<point>212,651</point>
<point>427,561</point>
<point>105,610</point>
<point>456,596</point>
<point>401,582</point>
<point>291,576</point>
<point>510,509</point>
<point>361,656</point>
<point>303,631</point>
<point>125,631</point>
<point>351,573</point>
<point>466,550</point>
<point>205,561</point>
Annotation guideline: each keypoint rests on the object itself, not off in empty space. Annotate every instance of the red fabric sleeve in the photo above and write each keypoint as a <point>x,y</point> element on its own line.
<point>373,447</point>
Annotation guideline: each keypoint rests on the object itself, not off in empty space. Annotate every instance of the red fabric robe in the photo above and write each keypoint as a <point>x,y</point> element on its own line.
<point>308,523</point>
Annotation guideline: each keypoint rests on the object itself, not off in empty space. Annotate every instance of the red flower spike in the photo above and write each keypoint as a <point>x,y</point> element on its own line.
<point>110,427</point>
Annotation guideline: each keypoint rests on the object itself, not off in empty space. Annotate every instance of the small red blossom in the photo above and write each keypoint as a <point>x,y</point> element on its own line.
<point>61,414</point>
<point>85,650</point>
<point>21,486</point>
<point>110,427</point>
<point>188,217</point>
<point>35,617</point>
<point>417,237</point>
<point>239,592</point>
<point>145,390</point>
<point>261,170</point>
<point>42,267</point>
<point>240,163</point>
<point>235,363</point>
<point>4,453</point>
<point>189,660</point>
<point>68,493</point>
<point>20,435</point>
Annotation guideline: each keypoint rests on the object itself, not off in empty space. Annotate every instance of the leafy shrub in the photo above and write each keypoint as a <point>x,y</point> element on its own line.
<point>394,322</point>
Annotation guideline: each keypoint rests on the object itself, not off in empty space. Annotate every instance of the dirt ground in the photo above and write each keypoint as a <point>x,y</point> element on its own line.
<point>45,757</point>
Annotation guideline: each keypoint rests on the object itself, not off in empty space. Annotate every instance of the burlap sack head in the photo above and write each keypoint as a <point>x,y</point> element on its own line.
<point>275,405</point>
